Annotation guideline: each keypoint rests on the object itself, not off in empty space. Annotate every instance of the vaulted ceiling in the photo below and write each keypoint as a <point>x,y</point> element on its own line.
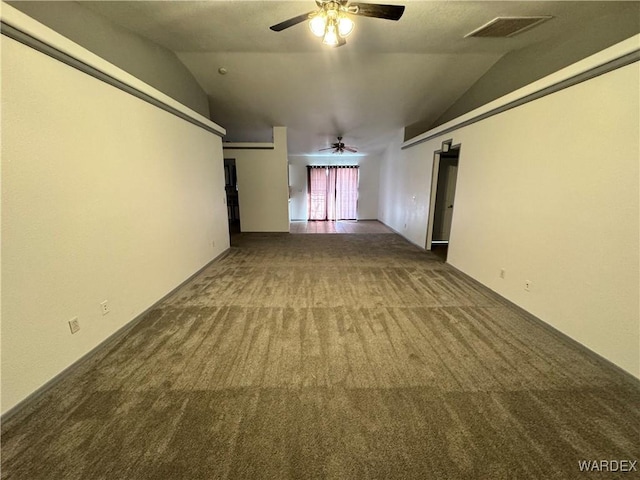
<point>388,76</point>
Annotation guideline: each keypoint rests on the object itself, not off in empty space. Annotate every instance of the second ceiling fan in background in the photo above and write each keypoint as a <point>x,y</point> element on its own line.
<point>339,147</point>
<point>331,21</point>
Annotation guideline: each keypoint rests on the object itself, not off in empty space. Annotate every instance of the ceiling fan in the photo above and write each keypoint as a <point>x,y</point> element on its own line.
<point>339,147</point>
<point>331,21</point>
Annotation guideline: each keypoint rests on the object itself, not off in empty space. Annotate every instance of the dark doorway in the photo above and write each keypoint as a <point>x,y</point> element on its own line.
<point>231,188</point>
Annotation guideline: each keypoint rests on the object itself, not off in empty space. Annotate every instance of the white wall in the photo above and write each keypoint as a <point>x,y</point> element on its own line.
<point>521,66</point>
<point>104,197</point>
<point>298,188</point>
<point>369,182</point>
<point>152,63</point>
<point>368,187</point>
<point>263,190</point>
<point>405,186</point>
<point>549,191</point>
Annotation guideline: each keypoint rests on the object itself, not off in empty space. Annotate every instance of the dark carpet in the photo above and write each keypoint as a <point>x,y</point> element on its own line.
<point>330,356</point>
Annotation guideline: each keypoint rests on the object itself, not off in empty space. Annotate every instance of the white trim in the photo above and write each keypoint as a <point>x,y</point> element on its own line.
<point>435,171</point>
<point>626,48</point>
<point>539,18</point>
<point>53,39</point>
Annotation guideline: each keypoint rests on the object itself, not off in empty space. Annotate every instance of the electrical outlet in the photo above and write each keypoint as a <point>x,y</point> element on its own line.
<point>527,285</point>
<point>74,325</point>
<point>503,273</point>
<point>104,306</point>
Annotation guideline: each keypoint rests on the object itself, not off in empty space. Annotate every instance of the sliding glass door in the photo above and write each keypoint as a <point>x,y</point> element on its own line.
<point>332,192</point>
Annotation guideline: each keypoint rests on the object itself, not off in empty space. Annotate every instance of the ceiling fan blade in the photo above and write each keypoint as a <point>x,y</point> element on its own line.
<point>349,149</point>
<point>291,22</point>
<point>388,12</point>
<point>323,149</point>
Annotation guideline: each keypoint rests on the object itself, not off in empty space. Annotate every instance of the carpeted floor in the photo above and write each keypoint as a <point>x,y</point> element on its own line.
<point>330,356</point>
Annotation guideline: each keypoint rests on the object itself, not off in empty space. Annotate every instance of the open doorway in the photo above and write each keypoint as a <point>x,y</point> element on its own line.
<point>445,175</point>
<point>231,188</point>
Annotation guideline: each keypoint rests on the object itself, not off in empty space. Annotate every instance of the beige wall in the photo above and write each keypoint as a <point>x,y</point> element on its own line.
<point>104,197</point>
<point>263,190</point>
<point>549,192</point>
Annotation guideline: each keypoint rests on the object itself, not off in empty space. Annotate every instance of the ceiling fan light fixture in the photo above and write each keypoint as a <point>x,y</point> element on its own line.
<point>332,21</point>
<point>345,25</point>
<point>318,24</point>
<point>331,34</point>
<point>331,24</point>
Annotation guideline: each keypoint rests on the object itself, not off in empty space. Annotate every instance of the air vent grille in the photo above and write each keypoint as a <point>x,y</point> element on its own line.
<point>507,26</point>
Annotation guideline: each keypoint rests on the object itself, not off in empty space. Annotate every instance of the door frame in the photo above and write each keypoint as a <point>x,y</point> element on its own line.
<point>447,145</point>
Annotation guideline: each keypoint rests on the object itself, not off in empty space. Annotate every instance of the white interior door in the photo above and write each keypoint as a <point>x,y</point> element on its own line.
<point>445,197</point>
<point>451,176</point>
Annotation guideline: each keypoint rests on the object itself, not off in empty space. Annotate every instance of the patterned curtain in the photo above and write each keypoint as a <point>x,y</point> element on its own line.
<point>347,193</point>
<point>332,192</point>
<point>317,193</point>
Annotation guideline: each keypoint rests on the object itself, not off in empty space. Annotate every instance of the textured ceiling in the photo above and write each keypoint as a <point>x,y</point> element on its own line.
<point>387,76</point>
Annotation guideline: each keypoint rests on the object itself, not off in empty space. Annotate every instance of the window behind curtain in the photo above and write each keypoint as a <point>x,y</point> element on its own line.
<point>317,194</point>
<point>332,193</point>
<point>346,193</point>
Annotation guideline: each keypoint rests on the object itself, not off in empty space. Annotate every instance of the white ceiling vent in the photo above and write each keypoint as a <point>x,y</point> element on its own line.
<point>507,26</point>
